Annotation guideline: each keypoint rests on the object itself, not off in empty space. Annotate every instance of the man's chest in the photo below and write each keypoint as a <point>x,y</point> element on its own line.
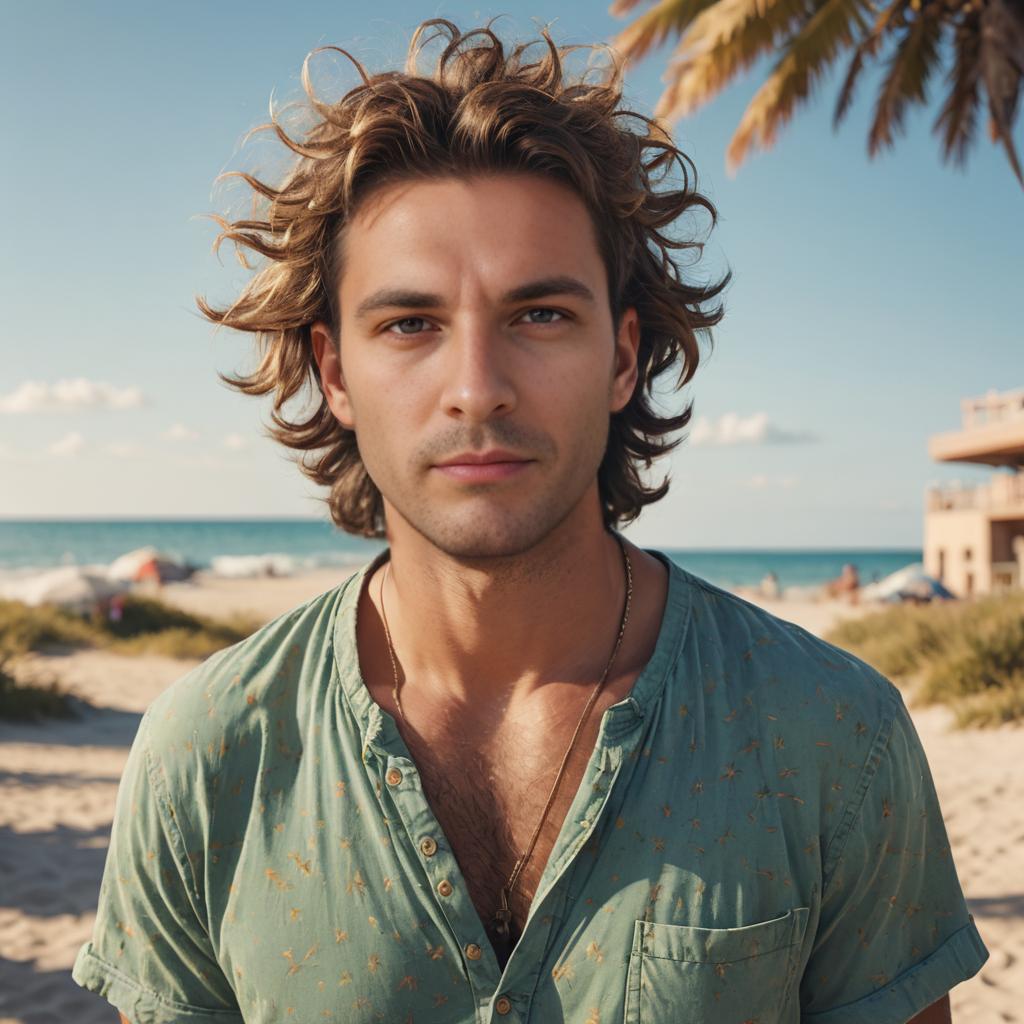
<point>504,805</point>
<point>364,877</point>
<point>365,888</point>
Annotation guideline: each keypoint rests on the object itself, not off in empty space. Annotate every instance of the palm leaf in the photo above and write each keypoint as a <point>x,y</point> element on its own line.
<point>621,7</point>
<point>956,120</point>
<point>808,54</point>
<point>723,41</point>
<point>906,79</point>
<point>1001,57</point>
<point>867,47</point>
<point>653,28</point>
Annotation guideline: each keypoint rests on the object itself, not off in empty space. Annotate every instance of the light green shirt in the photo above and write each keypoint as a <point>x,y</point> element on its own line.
<point>756,838</point>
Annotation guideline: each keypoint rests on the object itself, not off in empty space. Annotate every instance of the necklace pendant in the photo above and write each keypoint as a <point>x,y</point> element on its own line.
<point>503,916</point>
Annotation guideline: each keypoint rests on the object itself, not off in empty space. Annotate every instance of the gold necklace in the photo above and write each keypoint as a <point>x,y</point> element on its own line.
<point>503,915</point>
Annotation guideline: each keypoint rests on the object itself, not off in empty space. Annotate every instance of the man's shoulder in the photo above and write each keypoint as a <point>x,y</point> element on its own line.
<point>765,658</point>
<point>270,672</point>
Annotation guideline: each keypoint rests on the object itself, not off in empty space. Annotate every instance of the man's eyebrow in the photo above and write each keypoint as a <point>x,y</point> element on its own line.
<point>405,298</point>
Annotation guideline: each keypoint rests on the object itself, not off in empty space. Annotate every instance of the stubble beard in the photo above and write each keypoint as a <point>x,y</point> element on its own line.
<point>497,531</point>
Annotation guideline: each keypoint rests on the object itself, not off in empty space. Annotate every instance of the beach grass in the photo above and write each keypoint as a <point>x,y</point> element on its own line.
<point>968,655</point>
<point>25,702</point>
<point>146,626</point>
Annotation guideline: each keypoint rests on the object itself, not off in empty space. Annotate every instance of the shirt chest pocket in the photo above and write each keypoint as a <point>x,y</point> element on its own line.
<point>714,975</point>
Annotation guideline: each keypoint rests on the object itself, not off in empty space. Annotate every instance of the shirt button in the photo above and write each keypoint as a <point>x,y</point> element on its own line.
<point>394,776</point>
<point>473,951</point>
<point>428,846</point>
<point>502,1005</point>
<point>444,887</point>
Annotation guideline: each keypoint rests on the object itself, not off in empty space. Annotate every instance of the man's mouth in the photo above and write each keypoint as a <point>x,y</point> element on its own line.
<point>484,467</point>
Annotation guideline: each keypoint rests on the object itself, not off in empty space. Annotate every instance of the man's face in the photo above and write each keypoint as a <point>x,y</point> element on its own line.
<point>474,316</point>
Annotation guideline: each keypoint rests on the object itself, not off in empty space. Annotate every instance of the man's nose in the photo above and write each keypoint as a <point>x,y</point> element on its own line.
<point>478,383</point>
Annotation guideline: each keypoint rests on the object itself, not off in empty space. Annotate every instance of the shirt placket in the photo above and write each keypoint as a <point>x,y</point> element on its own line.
<point>503,997</point>
<point>621,730</point>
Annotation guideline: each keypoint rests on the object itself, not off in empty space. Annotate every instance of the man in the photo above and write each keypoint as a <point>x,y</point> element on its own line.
<point>516,768</point>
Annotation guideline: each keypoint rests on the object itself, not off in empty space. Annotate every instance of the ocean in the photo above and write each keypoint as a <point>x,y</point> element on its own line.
<point>240,546</point>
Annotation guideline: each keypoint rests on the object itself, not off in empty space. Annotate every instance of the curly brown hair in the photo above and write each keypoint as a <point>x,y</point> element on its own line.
<point>479,111</point>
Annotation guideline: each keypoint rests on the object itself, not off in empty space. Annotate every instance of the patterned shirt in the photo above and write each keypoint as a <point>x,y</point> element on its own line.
<point>756,838</point>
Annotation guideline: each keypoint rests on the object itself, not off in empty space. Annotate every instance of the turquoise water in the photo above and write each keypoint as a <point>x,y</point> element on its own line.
<point>311,543</point>
<point>308,542</point>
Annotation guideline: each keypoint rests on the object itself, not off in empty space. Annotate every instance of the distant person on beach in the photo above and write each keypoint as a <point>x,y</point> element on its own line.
<point>516,768</point>
<point>846,584</point>
<point>770,586</point>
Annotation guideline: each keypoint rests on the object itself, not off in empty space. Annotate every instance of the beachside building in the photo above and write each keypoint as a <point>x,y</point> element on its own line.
<point>974,536</point>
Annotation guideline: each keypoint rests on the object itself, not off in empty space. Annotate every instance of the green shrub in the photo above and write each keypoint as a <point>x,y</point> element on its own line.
<point>146,626</point>
<point>967,654</point>
<point>25,628</point>
<point>30,701</point>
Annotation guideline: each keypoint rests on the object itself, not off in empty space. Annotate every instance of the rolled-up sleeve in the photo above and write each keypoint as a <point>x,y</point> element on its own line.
<point>894,933</point>
<point>150,955</point>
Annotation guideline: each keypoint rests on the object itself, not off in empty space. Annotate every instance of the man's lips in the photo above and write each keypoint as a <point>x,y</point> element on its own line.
<point>477,458</point>
<point>484,472</point>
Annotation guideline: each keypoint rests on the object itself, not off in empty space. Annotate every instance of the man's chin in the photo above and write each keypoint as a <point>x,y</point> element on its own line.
<point>468,545</point>
<point>488,536</point>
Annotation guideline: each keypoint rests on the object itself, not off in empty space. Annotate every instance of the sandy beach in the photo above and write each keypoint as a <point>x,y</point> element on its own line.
<point>58,782</point>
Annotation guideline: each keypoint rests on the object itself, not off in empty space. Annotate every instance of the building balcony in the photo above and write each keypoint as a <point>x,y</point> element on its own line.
<point>992,432</point>
<point>1002,497</point>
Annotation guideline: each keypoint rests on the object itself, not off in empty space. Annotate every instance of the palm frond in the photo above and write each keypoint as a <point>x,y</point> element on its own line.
<point>653,27</point>
<point>867,47</point>
<point>956,120</point>
<point>906,80</point>
<point>1001,56</point>
<point>724,40</point>
<point>621,7</point>
<point>807,56</point>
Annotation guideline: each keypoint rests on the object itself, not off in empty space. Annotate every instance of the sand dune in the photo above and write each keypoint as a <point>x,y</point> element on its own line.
<point>58,782</point>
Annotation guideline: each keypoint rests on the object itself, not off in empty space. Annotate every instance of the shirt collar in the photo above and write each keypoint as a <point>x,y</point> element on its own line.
<point>377,726</point>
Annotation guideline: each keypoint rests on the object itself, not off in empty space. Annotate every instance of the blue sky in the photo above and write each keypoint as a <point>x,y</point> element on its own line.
<point>868,297</point>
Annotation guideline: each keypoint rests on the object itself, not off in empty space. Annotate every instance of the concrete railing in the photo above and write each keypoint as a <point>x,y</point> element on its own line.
<point>995,407</point>
<point>1004,493</point>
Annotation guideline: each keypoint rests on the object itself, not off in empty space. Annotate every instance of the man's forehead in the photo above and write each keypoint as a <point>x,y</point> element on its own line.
<point>517,239</point>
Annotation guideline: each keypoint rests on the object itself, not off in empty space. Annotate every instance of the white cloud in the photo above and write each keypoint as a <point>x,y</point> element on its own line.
<point>69,444</point>
<point>732,429</point>
<point>759,481</point>
<point>179,432</point>
<point>69,395</point>
<point>124,449</point>
<point>235,442</point>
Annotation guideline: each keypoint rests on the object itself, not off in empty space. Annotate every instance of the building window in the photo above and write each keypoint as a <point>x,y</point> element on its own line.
<point>942,565</point>
<point>967,554</point>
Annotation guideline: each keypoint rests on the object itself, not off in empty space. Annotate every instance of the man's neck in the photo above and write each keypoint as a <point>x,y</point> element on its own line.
<point>488,637</point>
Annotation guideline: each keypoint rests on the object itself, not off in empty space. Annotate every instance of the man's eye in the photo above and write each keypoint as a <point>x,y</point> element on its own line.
<point>404,322</point>
<point>413,324</point>
<point>545,311</point>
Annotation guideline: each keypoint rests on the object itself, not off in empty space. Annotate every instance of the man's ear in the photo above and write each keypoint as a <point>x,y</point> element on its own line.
<point>627,345</point>
<point>332,381</point>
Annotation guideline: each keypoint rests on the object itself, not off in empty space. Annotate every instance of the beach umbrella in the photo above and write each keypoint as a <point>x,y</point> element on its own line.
<point>127,566</point>
<point>885,588</point>
<point>911,583</point>
<point>148,564</point>
<point>922,588</point>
